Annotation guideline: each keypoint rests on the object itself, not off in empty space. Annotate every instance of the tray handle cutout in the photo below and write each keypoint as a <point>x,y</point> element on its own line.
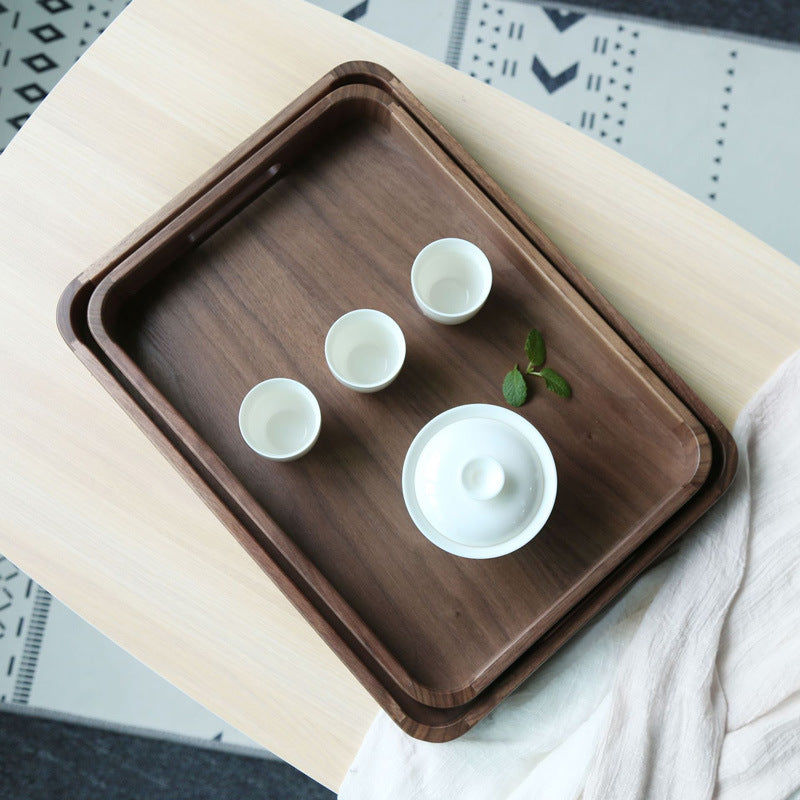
<point>258,183</point>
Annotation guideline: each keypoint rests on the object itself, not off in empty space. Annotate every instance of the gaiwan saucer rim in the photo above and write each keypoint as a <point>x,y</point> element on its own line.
<point>480,411</point>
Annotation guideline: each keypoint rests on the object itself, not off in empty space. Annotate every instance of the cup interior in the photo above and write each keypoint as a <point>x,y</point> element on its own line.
<point>365,348</point>
<point>280,418</point>
<point>451,276</point>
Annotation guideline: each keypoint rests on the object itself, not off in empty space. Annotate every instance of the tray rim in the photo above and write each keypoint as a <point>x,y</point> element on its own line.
<point>137,271</point>
<point>73,332</point>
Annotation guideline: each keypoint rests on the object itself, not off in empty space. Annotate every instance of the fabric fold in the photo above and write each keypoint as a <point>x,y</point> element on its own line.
<point>686,687</point>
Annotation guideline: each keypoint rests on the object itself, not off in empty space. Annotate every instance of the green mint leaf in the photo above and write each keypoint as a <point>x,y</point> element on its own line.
<point>535,349</point>
<point>515,390</point>
<point>555,383</point>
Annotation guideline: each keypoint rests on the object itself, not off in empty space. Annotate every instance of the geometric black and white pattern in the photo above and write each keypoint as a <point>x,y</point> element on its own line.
<point>23,616</point>
<point>39,41</point>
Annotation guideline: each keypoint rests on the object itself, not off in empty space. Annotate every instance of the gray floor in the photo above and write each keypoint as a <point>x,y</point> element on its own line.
<point>42,759</point>
<point>46,759</point>
<point>772,19</point>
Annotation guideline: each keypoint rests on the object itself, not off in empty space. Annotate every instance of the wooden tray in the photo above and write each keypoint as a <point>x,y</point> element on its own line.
<point>322,211</point>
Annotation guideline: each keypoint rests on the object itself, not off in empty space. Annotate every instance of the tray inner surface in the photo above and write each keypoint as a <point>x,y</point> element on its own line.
<point>358,194</point>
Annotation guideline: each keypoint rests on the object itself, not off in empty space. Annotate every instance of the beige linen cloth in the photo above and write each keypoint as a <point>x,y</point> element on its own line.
<point>687,687</point>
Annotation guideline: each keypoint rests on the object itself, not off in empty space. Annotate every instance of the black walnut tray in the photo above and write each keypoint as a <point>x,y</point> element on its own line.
<point>322,211</point>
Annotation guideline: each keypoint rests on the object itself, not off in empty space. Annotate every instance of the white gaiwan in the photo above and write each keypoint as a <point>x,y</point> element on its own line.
<point>479,481</point>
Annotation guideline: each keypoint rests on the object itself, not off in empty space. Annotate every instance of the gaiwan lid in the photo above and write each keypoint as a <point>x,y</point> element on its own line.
<point>479,481</point>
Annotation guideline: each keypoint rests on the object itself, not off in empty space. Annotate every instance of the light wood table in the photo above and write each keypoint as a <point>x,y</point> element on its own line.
<point>89,507</point>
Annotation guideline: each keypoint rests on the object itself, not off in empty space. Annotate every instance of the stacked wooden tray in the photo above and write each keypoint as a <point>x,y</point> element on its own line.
<point>238,280</point>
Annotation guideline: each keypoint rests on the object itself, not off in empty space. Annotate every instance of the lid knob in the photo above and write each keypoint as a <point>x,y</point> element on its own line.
<point>483,478</point>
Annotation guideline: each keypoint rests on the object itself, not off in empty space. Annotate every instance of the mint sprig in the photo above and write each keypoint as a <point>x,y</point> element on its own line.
<point>515,389</point>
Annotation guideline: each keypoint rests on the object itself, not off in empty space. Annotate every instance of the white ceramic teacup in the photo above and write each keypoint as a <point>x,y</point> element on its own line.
<point>280,419</point>
<point>451,279</point>
<point>365,350</point>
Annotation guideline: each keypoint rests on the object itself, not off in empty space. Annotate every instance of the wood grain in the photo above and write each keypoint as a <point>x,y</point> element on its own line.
<point>93,511</point>
<point>361,186</point>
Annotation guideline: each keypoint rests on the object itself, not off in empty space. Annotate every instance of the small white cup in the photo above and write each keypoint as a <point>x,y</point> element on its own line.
<point>365,350</point>
<point>451,279</point>
<point>280,419</point>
